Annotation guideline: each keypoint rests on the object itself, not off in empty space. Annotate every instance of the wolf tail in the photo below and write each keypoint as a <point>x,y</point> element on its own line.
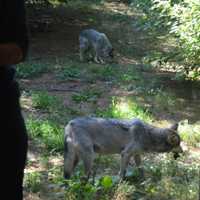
<point>70,155</point>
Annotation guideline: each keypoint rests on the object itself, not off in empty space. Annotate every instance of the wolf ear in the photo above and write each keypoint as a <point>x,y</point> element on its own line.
<point>174,127</point>
<point>173,139</point>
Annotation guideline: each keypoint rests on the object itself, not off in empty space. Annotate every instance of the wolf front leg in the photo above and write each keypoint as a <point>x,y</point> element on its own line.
<point>102,61</point>
<point>84,47</point>
<point>96,59</point>
<point>98,53</point>
<point>87,155</point>
<point>130,149</point>
<point>82,54</point>
<point>70,159</point>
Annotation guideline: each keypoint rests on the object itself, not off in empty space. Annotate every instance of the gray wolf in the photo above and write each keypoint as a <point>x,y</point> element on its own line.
<point>94,42</point>
<point>86,136</point>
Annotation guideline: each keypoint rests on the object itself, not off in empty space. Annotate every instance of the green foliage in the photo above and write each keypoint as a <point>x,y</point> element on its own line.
<point>164,179</point>
<point>103,73</point>
<point>48,132</point>
<point>126,109</point>
<point>87,95</point>
<point>156,14</point>
<point>42,100</point>
<point>79,190</point>
<point>31,69</point>
<point>69,73</point>
<point>171,180</point>
<point>187,29</point>
<point>190,133</point>
<point>32,181</point>
<point>180,19</point>
<point>106,182</point>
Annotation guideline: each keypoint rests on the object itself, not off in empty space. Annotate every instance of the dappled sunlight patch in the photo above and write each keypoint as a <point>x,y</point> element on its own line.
<point>162,123</point>
<point>32,196</point>
<point>124,108</point>
<point>118,8</point>
<point>36,167</point>
<point>190,133</point>
<point>56,161</point>
<point>26,103</point>
<point>124,191</point>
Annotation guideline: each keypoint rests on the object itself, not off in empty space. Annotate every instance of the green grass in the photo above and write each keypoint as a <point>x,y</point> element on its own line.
<point>190,133</point>
<point>43,101</point>
<point>69,73</point>
<point>124,108</point>
<point>32,69</point>
<point>33,181</point>
<point>49,133</point>
<point>87,95</point>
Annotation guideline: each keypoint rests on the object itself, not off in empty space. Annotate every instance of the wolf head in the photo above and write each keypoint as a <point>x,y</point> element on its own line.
<point>107,49</point>
<point>174,140</point>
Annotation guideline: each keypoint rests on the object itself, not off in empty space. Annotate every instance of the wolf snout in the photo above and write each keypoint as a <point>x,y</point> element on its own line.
<point>177,151</point>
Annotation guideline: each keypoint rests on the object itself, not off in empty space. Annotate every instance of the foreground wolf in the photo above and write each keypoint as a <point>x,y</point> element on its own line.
<point>85,136</point>
<point>94,42</point>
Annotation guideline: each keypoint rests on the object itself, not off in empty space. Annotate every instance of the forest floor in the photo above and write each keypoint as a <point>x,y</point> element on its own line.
<point>129,86</point>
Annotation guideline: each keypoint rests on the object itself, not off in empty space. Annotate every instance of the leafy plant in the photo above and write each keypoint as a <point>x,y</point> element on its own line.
<point>78,190</point>
<point>124,108</point>
<point>42,100</point>
<point>32,69</point>
<point>69,73</point>
<point>187,30</point>
<point>49,133</point>
<point>86,95</point>
<point>32,181</point>
<point>177,18</point>
<point>190,133</point>
<point>106,182</point>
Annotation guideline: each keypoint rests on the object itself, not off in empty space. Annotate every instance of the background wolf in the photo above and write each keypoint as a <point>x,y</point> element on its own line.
<point>85,136</point>
<point>93,42</point>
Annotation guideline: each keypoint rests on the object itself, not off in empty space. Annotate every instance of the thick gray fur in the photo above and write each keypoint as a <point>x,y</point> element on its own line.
<point>93,42</point>
<point>88,135</point>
